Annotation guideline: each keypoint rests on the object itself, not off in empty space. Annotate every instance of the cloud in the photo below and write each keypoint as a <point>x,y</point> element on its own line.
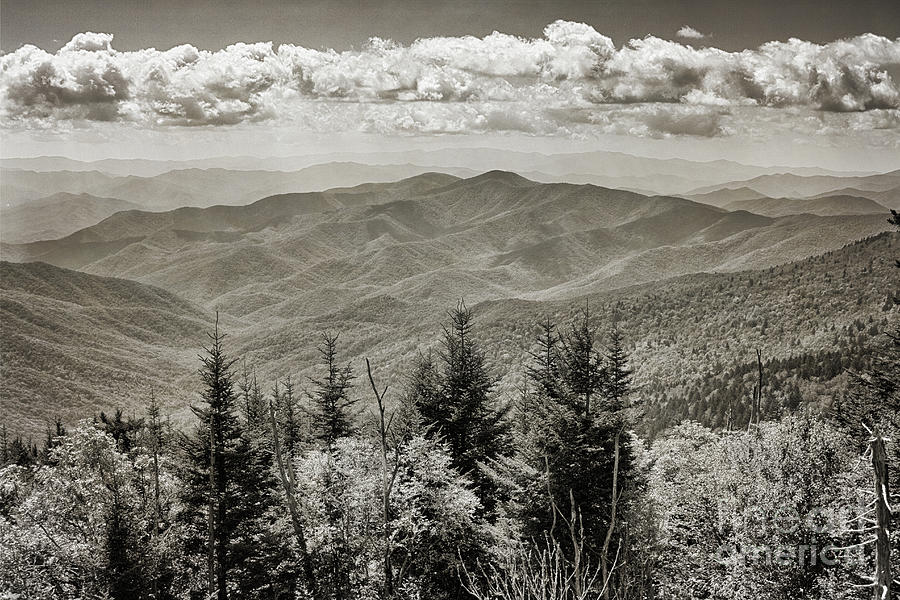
<point>689,32</point>
<point>571,78</point>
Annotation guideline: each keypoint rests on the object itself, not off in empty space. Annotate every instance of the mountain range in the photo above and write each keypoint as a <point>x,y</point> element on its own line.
<point>493,235</point>
<point>57,216</point>
<point>381,262</point>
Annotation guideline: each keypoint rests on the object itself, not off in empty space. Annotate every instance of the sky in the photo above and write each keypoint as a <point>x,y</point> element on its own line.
<point>342,24</point>
<point>799,83</point>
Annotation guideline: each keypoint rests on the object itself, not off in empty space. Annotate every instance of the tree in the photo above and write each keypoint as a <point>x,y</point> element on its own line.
<point>575,453</point>
<point>616,389</point>
<point>124,430</point>
<point>289,417</point>
<point>332,419</point>
<point>457,405</point>
<point>546,364</point>
<point>871,413</point>
<point>227,484</point>
<point>582,365</point>
<point>76,528</point>
<point>390,465</point>
<point>289,486</point>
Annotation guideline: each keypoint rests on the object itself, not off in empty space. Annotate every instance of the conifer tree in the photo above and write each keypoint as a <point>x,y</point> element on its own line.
<point>568,456</point>
<point>227,485</point>
<point>582,366</point>
<point>459,406</point>
<point>54,431</point>
<point>423,395</point>
<point>289,413</point>
<point>123,430</point>
<point>332,418</point>
<point>545,368</point>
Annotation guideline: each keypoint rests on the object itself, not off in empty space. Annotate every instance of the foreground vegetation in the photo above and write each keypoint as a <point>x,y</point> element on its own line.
<point>435,487</point>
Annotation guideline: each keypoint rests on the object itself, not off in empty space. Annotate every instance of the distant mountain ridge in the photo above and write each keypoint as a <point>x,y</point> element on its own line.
<point>885,185</point>
<point>821,206</point>
<point>198,187</point>
<point>56,216</point>
<point>493,235</point>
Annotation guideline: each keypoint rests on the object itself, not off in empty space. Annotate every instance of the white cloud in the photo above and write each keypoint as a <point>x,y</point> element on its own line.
<point>570,79</point>
<point>689,32</point>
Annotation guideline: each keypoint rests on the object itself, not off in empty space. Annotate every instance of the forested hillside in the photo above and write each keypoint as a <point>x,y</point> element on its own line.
<point>692,358</point>
<point>455,491</point>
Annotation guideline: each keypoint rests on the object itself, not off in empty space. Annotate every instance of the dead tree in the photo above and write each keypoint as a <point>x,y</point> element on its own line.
<point>882,578</point>
<point>756,402</point>
<point>758,385</point>
<point>286,475</point>
<point>614,501</point>
<point>542,571</point>
<point>388,478</point>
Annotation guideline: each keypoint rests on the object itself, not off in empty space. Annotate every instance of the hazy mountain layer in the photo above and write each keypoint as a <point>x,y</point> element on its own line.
<point>197,187</point>
<point>56,216</point>
<point>822,206</point>
<point>433,239</point>
<point>787,185</point>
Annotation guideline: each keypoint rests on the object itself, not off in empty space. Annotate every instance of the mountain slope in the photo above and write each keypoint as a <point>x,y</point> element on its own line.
<point>56,216</point>
<point>73,344</point>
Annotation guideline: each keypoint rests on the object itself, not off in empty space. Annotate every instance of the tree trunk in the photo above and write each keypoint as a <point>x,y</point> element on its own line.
<point>387,484</point>
<point>287,484</point>
<point>211,534</point>
<point>604,554</point>
<point>882,578</point>
<point>759,385</point>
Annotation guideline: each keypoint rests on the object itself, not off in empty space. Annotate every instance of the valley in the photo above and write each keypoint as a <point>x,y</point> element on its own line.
<point>380,263</point>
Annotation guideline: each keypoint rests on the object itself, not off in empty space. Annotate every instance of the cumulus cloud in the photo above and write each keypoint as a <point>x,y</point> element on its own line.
<point>690,33</point>
<point>567,79</point>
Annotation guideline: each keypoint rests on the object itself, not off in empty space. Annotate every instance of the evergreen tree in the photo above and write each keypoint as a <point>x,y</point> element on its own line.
<point>227,486</point>
<point>423,395</point>
<point>458,405</point>
<point>545,368</point>
<point>22,452</point>
<point>332,418</point>
<point>572,457</point>
<point>55,431</point>
<point>123,430</point>
<point>290,418</point>
<point>617,374</point>
<point>582,365</point>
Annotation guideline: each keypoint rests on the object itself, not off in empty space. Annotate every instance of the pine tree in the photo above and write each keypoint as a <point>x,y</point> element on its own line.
<point>545,368</point>
<point>616,389</point>
<point>227,485</point>
<point>572,457</point>
<point>289,413</point>
<point>54,432</point>
<point>123,430</point>
<point>332,418</point>
<point>582,366</point>
<point>461,409</point>
<point>616,382</point>
<point>423,395</point>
